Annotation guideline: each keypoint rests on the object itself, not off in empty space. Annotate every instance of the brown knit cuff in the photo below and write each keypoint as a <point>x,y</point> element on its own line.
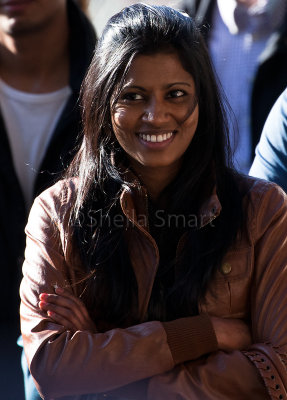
<point>190,338</point>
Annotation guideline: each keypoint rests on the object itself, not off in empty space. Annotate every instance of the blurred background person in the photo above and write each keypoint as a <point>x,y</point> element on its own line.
<point>45,49</point>
<point>247,40</point>
<point>270,162</point>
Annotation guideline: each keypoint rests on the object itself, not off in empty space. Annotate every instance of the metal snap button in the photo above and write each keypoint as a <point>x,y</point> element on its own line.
<point>226,268</point>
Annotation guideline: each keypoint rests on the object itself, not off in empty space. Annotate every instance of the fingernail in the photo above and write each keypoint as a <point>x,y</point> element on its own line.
<point>59,290</point>
<point>50,313</point>
<point>43,296</point>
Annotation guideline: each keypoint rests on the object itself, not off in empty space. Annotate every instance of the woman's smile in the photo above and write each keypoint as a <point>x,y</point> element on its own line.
<point>156,139</point>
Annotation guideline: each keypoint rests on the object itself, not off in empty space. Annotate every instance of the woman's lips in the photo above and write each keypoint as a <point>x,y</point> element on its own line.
<point>14,5</point>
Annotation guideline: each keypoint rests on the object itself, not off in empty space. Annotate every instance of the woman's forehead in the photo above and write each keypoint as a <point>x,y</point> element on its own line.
<point>162,66</point>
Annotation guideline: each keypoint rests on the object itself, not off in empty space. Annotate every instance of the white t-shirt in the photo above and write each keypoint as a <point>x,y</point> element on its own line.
<point>30,121</point>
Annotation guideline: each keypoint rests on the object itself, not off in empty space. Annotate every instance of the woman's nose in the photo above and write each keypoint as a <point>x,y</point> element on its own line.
<point>155,112</point>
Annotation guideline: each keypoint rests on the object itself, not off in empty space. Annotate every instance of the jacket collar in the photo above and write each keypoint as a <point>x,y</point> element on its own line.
<point>134,204</point>
<point>134,201</point>
<point>210,209</point>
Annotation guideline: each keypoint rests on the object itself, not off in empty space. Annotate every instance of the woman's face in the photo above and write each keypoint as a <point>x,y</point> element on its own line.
<point>156,115</point>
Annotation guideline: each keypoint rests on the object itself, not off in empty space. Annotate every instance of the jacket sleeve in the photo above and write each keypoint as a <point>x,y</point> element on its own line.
<point>65,363</point>
<point>259,372</point>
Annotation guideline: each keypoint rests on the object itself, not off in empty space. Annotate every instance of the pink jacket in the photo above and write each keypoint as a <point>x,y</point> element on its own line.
<point>153,360</point>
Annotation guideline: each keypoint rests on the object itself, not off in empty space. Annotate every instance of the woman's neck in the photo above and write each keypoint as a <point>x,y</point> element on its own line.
<point>156,179</point>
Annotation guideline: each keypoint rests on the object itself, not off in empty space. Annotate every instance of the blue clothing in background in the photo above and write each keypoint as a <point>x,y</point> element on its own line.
<point>270,162</point>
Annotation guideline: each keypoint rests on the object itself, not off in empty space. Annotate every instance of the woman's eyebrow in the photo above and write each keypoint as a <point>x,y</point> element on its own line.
<point>179,83</point>
<point>127,86</point>
<point>169,85</point>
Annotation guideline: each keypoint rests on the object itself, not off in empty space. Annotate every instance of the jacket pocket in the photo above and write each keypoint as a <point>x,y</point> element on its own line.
<point>228,293</point>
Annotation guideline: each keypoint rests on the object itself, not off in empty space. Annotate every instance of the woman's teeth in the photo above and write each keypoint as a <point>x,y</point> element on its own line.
<point>156,138</point>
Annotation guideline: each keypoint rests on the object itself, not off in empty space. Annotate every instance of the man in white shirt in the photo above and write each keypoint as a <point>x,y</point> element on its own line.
<point>45,49</point>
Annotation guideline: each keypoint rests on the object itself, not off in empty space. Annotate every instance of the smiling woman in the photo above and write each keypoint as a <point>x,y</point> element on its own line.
<point>156,115</point>
<point>153,270</point>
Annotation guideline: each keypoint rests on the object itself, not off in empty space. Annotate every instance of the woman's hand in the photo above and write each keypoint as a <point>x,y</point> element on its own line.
<point>67,310</point>
<point>231,334</point>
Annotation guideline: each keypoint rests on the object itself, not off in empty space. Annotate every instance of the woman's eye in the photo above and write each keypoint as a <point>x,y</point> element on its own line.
<point>176,93</point>
<point>132,96</point>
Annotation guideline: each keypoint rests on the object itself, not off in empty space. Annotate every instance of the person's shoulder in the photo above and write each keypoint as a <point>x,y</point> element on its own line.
<point>57,200</point>
<point>62,192</point>
<point>280,105</point>
<point>275,125</point>
<point>256,187</point>
<point>255,190</point>
<point>251,184</point>
<point>284,96</point>
<point>264,205</point>
<point>282,100</point>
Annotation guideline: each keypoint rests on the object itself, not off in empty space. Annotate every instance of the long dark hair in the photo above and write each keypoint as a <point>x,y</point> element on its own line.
<point>145,29</point>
